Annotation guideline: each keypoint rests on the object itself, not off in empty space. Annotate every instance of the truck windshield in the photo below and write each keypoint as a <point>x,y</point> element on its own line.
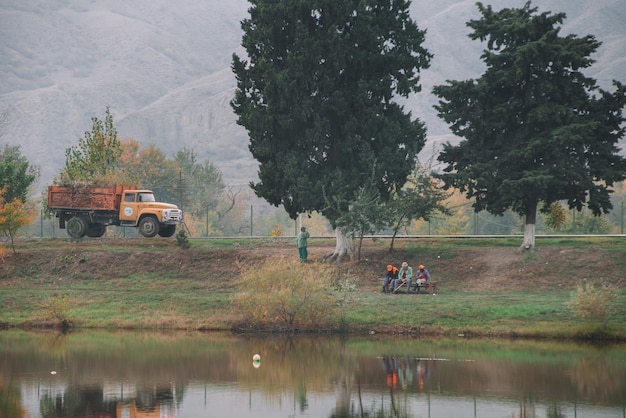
<point>146,197</point>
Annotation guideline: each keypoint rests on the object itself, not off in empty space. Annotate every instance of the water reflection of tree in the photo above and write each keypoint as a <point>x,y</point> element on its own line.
<point>91,401</point>
<point>399,383</point>
<point>554,411</point>
<point>301,396</point>
<point>300,363</point>
<point>300,367</point>
<point>77,402</point>
<point>288,363</point>
<point>10,401</point>
<point>350,410</point>
<point>595,378</point>
<point>158,397</point>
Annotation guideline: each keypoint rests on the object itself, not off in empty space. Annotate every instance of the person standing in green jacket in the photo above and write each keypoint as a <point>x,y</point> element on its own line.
<point>303,236</point>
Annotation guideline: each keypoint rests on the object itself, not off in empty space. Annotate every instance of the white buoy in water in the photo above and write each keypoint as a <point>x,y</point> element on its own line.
<point>256,358</point>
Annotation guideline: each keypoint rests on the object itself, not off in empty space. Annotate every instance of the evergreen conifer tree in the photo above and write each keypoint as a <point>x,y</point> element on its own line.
<point>535,128</point>
<point>317,95</point>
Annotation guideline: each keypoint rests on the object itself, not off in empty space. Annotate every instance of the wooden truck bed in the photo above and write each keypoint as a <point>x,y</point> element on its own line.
<point>86,198</point>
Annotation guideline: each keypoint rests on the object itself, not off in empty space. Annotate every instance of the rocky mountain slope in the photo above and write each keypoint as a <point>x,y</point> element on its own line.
<point>164,69</point>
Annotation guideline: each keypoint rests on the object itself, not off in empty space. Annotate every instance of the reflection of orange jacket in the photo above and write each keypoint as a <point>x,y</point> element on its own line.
<point>392,379</point>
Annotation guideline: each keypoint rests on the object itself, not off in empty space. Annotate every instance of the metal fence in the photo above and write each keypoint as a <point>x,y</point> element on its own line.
<point>265,221</point>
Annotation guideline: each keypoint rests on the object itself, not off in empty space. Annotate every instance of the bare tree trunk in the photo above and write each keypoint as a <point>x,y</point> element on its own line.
<point>395,232</point>
<point>343,247</point>
<point>360,246</point>
<point>529,230</point>
<point>231,197</point>
<point>393,239</point>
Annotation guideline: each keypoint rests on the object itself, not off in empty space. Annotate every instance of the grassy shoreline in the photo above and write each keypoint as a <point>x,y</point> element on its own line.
<point>486,287</point>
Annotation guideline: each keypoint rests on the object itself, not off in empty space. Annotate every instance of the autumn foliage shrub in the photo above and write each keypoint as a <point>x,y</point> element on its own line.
<point>58,308</point>
<point>13,216</point>
<point>286,295</point>
<point>594,302</point>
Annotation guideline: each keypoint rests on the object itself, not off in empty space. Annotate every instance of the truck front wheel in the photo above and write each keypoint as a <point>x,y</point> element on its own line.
<point>167,231</point>
<point>76,227</point>
<point>149,226</point>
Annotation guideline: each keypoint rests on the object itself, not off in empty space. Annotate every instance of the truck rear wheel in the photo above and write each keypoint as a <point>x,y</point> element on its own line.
<point>76,227</point>
<point>167,231</point>
<point>96,230</point>
<point>149,226</point>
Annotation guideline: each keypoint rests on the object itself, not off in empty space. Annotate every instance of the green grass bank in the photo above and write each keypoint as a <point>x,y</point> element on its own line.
<point>486,287</point>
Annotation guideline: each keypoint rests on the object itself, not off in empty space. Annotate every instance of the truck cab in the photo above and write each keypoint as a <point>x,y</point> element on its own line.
<point>139,208</point>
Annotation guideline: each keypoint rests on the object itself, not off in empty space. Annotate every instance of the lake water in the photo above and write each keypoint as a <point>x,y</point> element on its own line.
<point>142,374</point>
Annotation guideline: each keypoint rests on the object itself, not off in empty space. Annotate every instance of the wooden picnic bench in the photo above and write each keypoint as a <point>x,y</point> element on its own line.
<point>432,287</point>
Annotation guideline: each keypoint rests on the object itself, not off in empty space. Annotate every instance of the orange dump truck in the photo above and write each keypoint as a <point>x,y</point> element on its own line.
<point>83,210</point>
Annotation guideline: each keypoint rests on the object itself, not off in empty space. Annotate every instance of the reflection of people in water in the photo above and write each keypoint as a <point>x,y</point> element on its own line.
<point>391,371</point>
<point>401,371</point>
<point>423,371</point>
<point>407,373</point>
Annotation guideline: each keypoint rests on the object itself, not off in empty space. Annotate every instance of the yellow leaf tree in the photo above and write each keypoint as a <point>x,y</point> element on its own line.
<point>13,215</point>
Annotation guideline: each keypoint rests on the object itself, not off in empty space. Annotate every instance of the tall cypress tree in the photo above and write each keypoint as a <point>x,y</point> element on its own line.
<point>535,128</point>
<point>316,94</point>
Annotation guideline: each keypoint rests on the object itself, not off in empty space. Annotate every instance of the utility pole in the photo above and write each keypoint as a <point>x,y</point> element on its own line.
<point>180,188</point>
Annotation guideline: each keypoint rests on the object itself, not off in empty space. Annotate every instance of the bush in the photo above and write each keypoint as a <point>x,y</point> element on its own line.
<point>58,307</point>
<point>182,240</point>
<point>276,232</point>
<point>288,295</point>
<point>597,303</point>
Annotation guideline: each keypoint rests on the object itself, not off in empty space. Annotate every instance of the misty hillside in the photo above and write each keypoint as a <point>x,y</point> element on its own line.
<point>164,69</point>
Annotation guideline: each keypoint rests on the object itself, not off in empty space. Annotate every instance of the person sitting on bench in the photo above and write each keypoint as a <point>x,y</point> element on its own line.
<point>421,278</point>
<point>404,277</point>
<point>390,277</point>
